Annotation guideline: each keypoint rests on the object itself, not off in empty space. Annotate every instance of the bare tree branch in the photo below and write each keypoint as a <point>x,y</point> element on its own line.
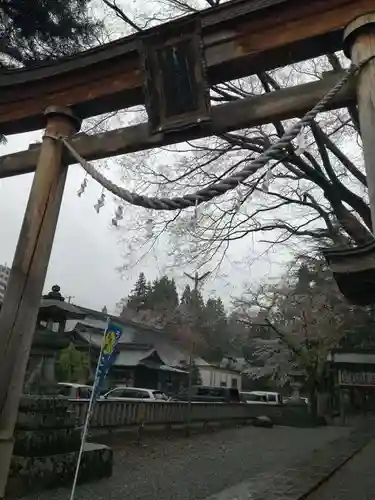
<point>121,14</point>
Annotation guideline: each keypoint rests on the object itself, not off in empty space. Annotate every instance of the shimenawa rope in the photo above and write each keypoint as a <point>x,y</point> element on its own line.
<point>226,184</point>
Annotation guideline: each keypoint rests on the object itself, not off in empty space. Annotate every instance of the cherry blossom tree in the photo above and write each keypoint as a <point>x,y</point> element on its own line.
<point>296,323</point>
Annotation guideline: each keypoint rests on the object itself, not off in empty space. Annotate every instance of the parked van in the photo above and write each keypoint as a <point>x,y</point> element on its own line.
<point>210,394</point>
<point>261,397</point>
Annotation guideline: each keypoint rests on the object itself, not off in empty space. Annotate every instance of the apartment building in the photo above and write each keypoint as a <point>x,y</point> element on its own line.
<point>4,276</point>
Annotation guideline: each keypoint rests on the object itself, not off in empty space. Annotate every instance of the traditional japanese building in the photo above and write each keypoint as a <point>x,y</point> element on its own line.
<point>145,357</point>
<point>353,374</point>
<point>138,362</point>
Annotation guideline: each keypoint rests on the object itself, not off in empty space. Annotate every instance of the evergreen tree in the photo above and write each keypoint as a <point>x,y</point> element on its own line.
<point>44,29</point>
<point>196,378</point>
<point>197,303</point>
<point>193,300</point>
<point>192,307</point>
<point>186,296</point>
<point>139,297</point>
<point>173,293</point>
<point>185,319</point>
<point>214,329</point>
<point>163,295</point>
<point>149,290</point>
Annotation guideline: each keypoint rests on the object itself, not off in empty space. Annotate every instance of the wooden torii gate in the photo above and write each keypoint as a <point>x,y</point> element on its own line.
<point>239,38</point>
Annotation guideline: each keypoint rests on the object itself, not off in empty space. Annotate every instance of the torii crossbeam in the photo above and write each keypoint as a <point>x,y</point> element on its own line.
<point>239,38</point>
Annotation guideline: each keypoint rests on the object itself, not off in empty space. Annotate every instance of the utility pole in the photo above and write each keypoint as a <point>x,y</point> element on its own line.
<point>25,287</point>
<point>198,281</point>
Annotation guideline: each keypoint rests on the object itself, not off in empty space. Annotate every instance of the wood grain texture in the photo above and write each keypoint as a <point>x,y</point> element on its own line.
<point>362,34</point>
<point>22,299</point>
<point>279,105</point>
<point>240,38</point>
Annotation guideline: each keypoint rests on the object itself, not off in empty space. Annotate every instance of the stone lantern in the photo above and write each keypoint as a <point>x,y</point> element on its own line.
<point>297,380</point>
<point>54,311</point>
<point>49,338</point>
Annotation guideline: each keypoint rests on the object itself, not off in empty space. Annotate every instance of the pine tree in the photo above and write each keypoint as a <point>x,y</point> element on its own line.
<point>173,292</point>
<point>197,303</point>
<point>214,329</point>
<point>163,295</point>
<point>191,307</point>
<point>186,295</point>
<point>139,297</point>
<point>44,29</point>
<point>193,299</point>
<point>196,378</point>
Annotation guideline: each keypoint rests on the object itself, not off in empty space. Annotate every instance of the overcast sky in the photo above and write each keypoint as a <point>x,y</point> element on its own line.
<point>87,253</point>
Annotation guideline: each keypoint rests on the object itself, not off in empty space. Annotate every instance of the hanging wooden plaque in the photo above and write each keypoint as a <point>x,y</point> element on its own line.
<point>174,77</point>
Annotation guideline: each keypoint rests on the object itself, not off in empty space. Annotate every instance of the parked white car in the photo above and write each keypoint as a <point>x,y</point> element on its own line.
<point>135,394</point>
<point>74,391</point>
<point>262,397</point>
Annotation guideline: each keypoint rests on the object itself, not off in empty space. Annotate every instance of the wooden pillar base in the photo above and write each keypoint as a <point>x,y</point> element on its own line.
<point>25,286</point>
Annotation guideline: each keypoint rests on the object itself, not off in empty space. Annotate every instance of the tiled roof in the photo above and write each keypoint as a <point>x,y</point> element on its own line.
<point>133,357</point>
<point>50,304</point>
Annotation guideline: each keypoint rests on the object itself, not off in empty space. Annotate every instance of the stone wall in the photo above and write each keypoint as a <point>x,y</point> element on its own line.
<point>110,415</point>
<point>47,441</point>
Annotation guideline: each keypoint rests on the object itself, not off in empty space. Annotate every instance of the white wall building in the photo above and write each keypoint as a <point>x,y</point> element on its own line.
<point>4,277</point>
<point>217,376</point>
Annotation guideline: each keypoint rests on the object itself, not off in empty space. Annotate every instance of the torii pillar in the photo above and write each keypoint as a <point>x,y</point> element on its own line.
<point>24,290</point>
<point>359,45</point>
<point>354,268</point>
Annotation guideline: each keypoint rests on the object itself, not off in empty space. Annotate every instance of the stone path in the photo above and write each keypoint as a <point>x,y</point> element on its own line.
<point>354,481</point>
<point>206,464</point>
<point>296,482</point>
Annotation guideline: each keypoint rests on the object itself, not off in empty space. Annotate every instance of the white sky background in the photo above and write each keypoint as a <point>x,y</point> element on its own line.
<point>87,253</point>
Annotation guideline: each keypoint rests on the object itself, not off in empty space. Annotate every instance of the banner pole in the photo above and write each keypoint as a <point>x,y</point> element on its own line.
<point>88,416</point>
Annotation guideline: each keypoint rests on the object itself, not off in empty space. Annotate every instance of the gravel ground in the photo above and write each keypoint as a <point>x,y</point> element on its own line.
<point>354,481</point>
<point>195,468</point>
